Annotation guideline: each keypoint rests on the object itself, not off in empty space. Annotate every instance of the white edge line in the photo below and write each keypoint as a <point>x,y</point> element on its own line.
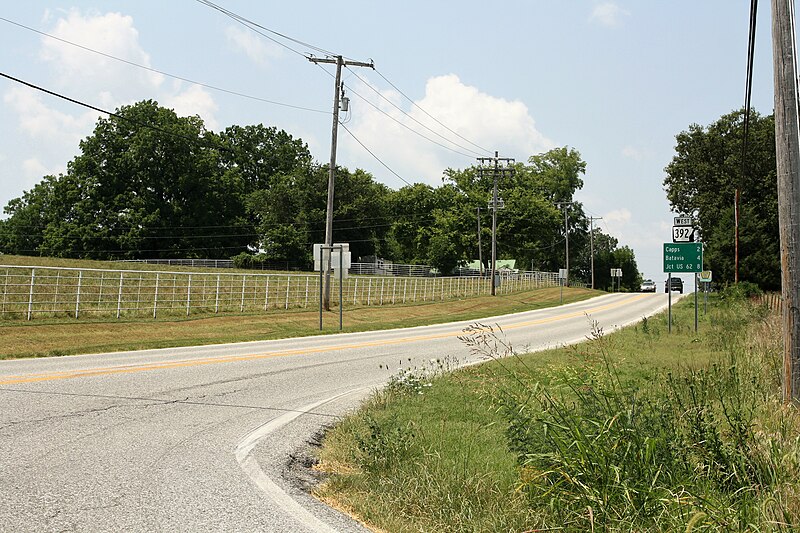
<point>250,465</point>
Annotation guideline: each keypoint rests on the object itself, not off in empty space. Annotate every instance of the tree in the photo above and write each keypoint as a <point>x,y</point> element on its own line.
<point>702,178</point>
<point>147,183</point>
<point>291,213</point>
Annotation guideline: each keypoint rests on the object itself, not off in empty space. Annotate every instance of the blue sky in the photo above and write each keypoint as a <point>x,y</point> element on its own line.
<point>615,80</point>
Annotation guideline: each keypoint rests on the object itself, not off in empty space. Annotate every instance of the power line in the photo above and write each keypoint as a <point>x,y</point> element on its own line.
<point>485,150</point>
<point>164,73</point>
<point>252,25</point>
<point>201,142</point>
<point>406,126</point>
<point>376,91</point>
<point>373,155</point>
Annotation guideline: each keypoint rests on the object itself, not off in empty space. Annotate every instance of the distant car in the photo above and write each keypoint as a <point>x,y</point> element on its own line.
<point>648,285</point>
<point>677,285</point>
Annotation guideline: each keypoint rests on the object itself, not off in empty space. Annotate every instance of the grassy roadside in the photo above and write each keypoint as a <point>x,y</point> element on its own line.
<point>639,430</point>
<point>64,336</point>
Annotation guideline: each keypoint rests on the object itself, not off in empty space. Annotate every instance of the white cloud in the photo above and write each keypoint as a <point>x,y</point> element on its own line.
<point>637,154</point>
<point>488,121</point>
<point>53,129</point>
<point>34,169</point>
<point>194,101</point>
<point>608,14</point>
<point>258,50</point>
<point>77,69</point>
<point>45,123</point>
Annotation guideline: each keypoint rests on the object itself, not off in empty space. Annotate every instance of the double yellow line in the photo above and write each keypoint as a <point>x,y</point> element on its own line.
<point>129,369</point>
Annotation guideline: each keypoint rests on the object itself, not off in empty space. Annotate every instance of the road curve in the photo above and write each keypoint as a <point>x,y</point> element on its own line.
<point>199,438</point>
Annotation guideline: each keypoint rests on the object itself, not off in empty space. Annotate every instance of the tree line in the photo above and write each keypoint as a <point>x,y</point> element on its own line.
<point>150,184</point>
<point>710,163</point>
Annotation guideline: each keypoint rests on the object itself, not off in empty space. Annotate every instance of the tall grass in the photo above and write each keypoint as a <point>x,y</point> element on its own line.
<point>696,449</point>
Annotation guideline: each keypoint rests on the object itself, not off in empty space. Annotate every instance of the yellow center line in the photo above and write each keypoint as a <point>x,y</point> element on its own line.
<point>127,369</point>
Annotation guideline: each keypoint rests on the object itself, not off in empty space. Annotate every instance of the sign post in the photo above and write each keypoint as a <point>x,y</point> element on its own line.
<point>342,249</point>
<point>562,275</point>
<point>685,257</point>
<point>705,279</point>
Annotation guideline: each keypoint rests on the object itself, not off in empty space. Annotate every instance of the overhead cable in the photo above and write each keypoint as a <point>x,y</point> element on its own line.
<point>163,73</point>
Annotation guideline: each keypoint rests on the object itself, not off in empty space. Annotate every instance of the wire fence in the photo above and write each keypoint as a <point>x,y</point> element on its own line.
<point>30,292</point>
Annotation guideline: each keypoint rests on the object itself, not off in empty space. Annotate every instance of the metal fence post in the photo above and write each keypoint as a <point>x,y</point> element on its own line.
<point>307,281</point>
<point>266,294</point>
<point>383,282</point>
<point>119,295</point>
<point>30,295</point>
<point>155,297</point>
<point>288,282</point>
<point>189,295</point>
<point>55,297</point>
<point>369,293</point>
<point>355,292</point>
<point>244,281</point>
<point>216,297</point>
<point>5,293</point>
<point>78,293</point>
<point>100,293</point>
<point>405,287</point>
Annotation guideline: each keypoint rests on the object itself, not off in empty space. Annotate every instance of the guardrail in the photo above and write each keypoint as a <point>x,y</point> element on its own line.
<point>30,292</point>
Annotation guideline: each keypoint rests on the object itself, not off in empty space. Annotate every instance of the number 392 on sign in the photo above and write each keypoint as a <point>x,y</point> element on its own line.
<point>682,234</point>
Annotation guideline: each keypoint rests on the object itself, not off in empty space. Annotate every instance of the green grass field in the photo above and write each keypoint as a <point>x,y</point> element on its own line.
<point>640,430</point>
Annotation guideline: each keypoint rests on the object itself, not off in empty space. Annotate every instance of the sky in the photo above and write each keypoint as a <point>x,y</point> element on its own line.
<point>615,80</point>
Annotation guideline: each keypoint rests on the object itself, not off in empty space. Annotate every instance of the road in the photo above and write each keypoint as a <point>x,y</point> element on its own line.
<point>199,439</point>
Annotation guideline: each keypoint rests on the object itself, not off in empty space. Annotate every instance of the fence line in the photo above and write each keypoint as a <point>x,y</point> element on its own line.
<point>30,292</point>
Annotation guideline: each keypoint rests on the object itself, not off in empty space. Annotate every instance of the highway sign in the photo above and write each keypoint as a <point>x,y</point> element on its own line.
<point>682,234</point>
<point>562,273</point>
<point>705,276</point>
<point>616,272</point>
<point>683,257</point>
<point>683,221</point>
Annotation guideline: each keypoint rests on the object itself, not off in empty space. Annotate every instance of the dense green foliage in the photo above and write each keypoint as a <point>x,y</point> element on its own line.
<point>150,184</point>
<point>702,178</point>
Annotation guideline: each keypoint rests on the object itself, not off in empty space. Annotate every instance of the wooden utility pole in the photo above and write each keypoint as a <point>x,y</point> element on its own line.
<point>787,152</point>
<point>338,90</point>
<point>480,250</point>
<point>494,205</point>
<point>591,243</point>
<point>565,206</point>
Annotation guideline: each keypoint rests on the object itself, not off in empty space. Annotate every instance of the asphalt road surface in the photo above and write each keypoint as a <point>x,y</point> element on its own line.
<point>201,438</point>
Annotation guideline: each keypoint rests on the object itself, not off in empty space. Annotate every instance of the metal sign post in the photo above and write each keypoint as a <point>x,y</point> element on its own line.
<point>341,279</point>
<point>705,279</point>
<point>562,275</point>
<point>669,302</point>
<point>695,303</point>
<point>686,257</point>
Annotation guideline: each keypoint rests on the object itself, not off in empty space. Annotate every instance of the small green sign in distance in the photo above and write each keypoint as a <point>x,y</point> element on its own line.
<point>683,257</point>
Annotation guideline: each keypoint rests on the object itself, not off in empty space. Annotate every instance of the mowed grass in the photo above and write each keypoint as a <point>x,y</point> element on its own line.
<point>640,430</point>
<point>50,337</point>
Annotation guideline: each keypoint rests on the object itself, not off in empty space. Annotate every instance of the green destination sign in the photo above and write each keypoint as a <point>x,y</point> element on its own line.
<point>683,257</point>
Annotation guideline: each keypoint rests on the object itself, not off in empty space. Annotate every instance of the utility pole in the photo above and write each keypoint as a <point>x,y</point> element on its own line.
<point>591,243</point>
<point>338,91</point>
<point>494,205</point>
<point>480,252</point>
<point>565,206</point>
<point>787,152</point>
